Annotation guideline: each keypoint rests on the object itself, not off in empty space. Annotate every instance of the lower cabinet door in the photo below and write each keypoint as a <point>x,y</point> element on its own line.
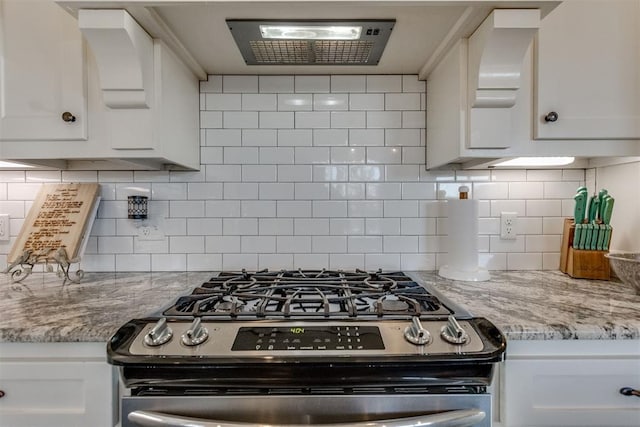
<point>570,392</point>
<point>55,394</point>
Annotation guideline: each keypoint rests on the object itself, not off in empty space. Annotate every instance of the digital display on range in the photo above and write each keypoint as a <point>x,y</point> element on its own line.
<point>308,338</point>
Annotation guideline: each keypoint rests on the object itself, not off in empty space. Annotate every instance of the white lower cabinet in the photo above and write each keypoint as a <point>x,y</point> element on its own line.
<point>570,383</point>
<point>56,385</point>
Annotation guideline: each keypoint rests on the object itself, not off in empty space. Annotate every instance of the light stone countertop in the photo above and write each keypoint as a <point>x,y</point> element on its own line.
<point>525,305</point>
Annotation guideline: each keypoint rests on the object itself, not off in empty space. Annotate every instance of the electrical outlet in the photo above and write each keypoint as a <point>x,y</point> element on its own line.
<point>508,224</point>
<point>4,227</point>
<point>150,232</point>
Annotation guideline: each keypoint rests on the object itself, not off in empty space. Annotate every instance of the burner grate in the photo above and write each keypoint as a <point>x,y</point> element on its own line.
<point>308,294</point>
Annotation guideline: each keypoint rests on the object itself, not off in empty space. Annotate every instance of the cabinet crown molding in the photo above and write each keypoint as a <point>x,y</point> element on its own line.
<point>496,51</point>
<point>124,54</point>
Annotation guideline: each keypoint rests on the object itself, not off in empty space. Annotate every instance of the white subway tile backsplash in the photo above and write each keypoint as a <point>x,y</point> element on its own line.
<point>186,244</point>
<point>366,102</point>
<point>311,191</point>
<point>402,101</point>
<point>364,244</point>
<point>239,119</point>
<point>311,226</point>
<point>311,172</point>
<point>365,208</point>
<point>223,137</point>
<point>380,83</point>
<point>348,119</point>
<point>328,244</point>
<point>258,244</point>
<point>384,119</point>
<point>312,119</point>
<point>366,137</point>
<point>348,155</point>
<point>293,244</point>
<point>240,155</point>
<point>240,191</point>
<point>293,209</point>
<point>366,173</point>
<point>402,137</point>
<point>296,173</point>
<point>223,208</point>
<point>276,155</point>
<point>330,102</point>
<point>383,190</point>
<point>240,84</point>
<point>329,209</point>
<point>259,102</point>
<point>276,191</point>
<point>295,137</point>
<point>258,208</point>
<point>348,84</point>
<point>275,84</point>
<point>312,84</point>
<point>543,208</point>
<point>384,155</point>
<point>329,173</point>
<point>223,102</point>
<point>400,208</point>
<point>275,226</point>
<point>295,102</point>
<point>382,226</point>
<point>330,137</point>
<point>259,137</point>
<point>276,119</point>
<point>347,191</point>
<point>222,244</point>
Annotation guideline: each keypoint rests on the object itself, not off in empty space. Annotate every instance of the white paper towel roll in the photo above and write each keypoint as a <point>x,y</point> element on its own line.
<point>462,242</point>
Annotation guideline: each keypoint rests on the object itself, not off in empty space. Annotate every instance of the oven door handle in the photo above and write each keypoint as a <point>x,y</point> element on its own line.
<point>459,418</point>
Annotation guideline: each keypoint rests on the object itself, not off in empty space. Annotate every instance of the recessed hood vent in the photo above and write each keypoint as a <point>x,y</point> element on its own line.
<point>311,42</point>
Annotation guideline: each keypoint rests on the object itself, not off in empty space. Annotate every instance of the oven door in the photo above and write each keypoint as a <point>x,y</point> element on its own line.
<point>375,410</point>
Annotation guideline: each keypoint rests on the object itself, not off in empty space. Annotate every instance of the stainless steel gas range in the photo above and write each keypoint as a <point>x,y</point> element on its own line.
<point>307,348</point>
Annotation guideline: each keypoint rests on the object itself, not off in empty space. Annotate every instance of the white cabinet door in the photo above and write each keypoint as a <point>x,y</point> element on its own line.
<point>45,387</point>
<point>567,383</point>
<point>41,72</point>
<point>588,71</point>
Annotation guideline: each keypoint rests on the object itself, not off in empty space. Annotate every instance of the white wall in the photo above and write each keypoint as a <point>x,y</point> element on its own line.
<point>310,171</point>
<point>623,183</point>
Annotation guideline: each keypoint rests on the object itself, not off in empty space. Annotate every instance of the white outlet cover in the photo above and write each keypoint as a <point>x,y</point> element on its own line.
<point>508,225</point>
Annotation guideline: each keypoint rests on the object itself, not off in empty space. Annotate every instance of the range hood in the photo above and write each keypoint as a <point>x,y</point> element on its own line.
<point>197,30</point>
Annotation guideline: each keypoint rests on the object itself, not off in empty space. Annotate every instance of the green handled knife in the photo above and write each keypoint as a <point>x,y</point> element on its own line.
<point>607,211</point>
<point>594,208</point>
<point>601,196</point>
<point>580,207</point>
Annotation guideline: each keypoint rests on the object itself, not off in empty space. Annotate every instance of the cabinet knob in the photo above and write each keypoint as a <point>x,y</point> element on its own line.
<point>551,117</point>
<point>2,393</point>
<point>68,117</point>
<point>628,391</point>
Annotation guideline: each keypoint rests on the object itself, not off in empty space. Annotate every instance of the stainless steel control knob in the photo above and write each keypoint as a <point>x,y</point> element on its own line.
<point>416,334</point>
<point>453,333</point>
<point>196,334</point>
<point>160,334</point>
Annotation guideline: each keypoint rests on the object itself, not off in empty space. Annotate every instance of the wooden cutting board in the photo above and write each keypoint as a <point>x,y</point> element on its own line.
<point>57,219</point>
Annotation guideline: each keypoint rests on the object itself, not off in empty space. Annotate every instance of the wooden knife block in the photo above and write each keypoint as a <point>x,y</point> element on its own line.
<point>581,264</point>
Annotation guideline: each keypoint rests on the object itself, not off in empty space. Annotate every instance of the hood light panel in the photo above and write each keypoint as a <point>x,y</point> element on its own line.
<point>310,32</point>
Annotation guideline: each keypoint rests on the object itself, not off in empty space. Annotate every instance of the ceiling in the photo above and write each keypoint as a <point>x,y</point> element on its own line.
<point>196,30</point>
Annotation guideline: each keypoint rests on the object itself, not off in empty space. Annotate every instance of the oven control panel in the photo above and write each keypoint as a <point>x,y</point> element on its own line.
<point>308,338</point>
<point>208,338</point>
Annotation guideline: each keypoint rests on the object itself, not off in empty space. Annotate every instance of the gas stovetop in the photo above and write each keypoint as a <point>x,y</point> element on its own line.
<point>307,316</point>
<point>290,294</point>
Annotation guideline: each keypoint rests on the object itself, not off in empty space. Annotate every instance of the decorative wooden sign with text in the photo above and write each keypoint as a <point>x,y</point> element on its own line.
<point>57,219</point>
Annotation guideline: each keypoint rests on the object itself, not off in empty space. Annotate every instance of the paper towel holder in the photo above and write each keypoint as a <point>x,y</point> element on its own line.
<point>464,270</point>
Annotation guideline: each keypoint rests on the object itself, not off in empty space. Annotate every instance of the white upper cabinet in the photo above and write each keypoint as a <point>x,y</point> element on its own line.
<point>588,71</point>
<point>42,75</point>
<point>95,92</point>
